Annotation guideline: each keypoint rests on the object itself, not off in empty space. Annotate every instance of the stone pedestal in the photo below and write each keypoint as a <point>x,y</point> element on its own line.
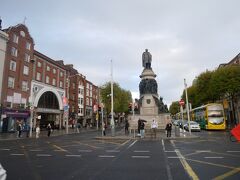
<point>149,106</point>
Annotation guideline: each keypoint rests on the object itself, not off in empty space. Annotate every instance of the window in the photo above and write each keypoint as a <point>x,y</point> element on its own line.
<point>47,79</point>
<point>39,64</point>
<point>87,101</point>
<point>28,45</point>
<point>60,84</point>
<point>54,82</point>
<point>54,71</point>
<point>73,97</point>
<point>38,76</point>
<point>11,82</point>
<point>15,38</point>
<point>90,102</point>
<point>80,110</point>
<point>87,92</point>
<point>14,52</point>
<point>25,70</point>
<point>80,101</point>
<point>27,57</point>
<point>48,68</point>
<point>73,85</point>
<point>12,65</point>
<point>24,85</point>
<point>61,74</point>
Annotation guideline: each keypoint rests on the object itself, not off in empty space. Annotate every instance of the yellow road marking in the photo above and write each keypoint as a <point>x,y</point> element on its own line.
<point>59,148</point>
<point>218,165</point>
<point>230,173</point>
<point>186,166</point>
<point>95,147</point>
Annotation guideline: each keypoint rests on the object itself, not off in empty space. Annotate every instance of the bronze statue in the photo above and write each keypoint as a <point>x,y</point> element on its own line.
<point>146,59</point>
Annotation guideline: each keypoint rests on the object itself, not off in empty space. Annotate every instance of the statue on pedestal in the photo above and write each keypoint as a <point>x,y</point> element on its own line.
<point>146,59</point>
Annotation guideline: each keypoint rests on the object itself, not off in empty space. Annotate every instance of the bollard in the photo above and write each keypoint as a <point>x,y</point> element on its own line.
<point>177,131</point>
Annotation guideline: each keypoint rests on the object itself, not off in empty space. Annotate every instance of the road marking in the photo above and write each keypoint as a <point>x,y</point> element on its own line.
<point>95,147</point>
<point>163,145</point>
<point>132,144</point>
<point>73,155</point>
<point>84,150</point>
<point>35,150</point>
<point>4,149</point>
<point>202,151</point>
<point>105,156</point>
<point>169,151</point>
<point>17,154</point>
<point>59,148</point>
<point>234,151</point>
<point>174,157</point>
<point>230,173</point>
<point>141,151</point>
<point>186,166</point>
<point>217,157</point>
<point>43,155</point>
<point>112,151</point>
<point>141,157</point>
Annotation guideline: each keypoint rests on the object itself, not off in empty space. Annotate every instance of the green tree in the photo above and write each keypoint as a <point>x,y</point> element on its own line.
<point>121,97</point>
<point>174,108</point>
<point>225,83</point>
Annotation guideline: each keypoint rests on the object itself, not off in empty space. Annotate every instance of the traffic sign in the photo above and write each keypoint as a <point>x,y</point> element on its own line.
<point>181,102</point>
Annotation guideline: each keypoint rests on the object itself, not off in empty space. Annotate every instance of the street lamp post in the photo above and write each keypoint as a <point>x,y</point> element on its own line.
<point>185,84</point>
<point>112,118</point>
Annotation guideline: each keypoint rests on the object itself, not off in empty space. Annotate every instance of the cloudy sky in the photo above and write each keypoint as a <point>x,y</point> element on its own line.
<point>184,37</point>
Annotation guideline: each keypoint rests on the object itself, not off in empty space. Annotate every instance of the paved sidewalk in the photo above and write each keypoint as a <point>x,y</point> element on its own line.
<point>56,132</point>
<point>161,134</point>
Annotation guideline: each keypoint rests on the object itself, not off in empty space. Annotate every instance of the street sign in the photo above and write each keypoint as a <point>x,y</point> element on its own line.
<point>181,102</point>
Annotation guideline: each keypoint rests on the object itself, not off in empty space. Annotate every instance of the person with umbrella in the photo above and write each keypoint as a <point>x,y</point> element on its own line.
<point>141,127</point>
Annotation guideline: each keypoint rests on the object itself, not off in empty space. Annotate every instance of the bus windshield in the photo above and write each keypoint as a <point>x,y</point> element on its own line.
<point>215,113</point>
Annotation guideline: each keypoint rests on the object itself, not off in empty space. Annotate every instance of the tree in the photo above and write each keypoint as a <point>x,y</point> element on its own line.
<point>225,82</point>
<point>121,97</point>
<point>174,108</point>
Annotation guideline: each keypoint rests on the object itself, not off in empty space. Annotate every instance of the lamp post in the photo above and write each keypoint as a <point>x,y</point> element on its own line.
<point>112,119</point>
<point>185,85</point>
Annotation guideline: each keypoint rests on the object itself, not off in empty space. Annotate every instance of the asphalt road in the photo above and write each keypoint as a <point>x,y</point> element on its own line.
<point>81,156</point>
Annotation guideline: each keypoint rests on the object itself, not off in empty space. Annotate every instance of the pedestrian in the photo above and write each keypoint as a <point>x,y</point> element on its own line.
<point>168,129</point>
<point>126,127</point>
<point>139,122</point>
<point>37,131</point>
<point>19,130</point>
<point>142,130</point>
<point>27,130</point>
<point>104,126</point>
<point>154,127</point>
<point>49,129</point>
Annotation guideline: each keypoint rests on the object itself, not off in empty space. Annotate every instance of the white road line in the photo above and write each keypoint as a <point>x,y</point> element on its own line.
<point>16,154</point>
<point>163,145</point>
<point>169,151</point>
<point>73,155</point>
<point>141,151</point>
<point>201,151</point>
<point>213,157</point>
<point>105,156</point>
<point>141,157</point>
<point>84,150</point>
<point>112,151</point>
<point>43,155</point>
<point>35,150</point>
<point>4,149</point>
<point>234,151</point>
<point>174,157</point>
<point>132,144</point>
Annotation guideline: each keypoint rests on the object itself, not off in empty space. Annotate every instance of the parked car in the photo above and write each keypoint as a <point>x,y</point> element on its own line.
<point>193,125</point>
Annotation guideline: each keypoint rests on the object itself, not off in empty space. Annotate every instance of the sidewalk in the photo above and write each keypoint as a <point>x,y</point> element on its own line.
<point>161,134</point>
<point>56,132</point>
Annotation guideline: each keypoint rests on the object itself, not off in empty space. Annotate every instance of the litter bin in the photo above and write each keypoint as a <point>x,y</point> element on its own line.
<point>177,131</point>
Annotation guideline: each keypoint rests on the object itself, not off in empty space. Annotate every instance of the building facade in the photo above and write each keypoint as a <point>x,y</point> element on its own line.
<point>37,90</point>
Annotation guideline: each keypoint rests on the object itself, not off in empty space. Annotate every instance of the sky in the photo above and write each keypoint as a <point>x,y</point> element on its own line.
<point>184,37</point>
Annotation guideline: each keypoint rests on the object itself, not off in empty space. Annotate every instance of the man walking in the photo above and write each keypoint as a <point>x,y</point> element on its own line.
<point>154,127</point>
<point>168,129</point>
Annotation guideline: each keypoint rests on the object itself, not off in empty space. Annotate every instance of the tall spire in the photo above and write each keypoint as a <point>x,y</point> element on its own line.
<point>24,20</point>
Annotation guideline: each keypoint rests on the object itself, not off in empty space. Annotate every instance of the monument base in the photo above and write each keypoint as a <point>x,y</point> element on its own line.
<point>161,119</point>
